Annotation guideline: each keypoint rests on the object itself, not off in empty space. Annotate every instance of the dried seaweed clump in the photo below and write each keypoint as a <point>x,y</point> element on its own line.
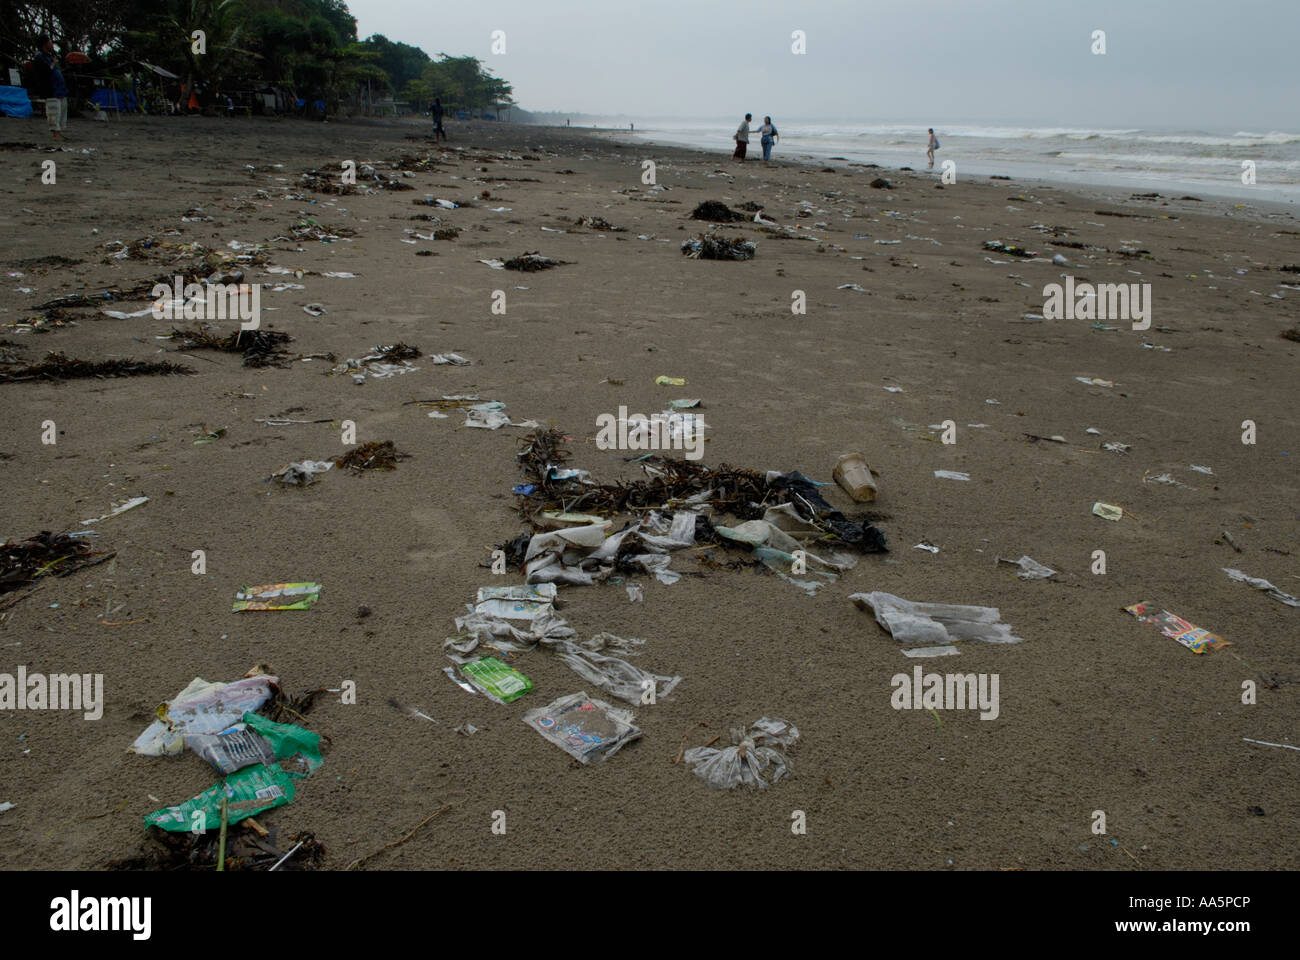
<point>716,212</point>
<point>529,262</point>
<point>56,366</point>
<point>320,182</point>
<point>22,562</point>
<point>716,247</point>
<point>261,348</point>
<point>598,223</point>
<point>743,493</point>
<point>375,455</point>
<point>395,353</point>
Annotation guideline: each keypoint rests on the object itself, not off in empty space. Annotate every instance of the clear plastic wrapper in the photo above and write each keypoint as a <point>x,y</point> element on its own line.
<point>587,730</point>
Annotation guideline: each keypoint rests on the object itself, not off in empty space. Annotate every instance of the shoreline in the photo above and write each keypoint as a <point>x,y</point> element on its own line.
<point>1086,185</point>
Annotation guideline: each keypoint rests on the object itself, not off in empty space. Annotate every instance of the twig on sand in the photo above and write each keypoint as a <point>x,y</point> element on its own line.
<point>397,843</point>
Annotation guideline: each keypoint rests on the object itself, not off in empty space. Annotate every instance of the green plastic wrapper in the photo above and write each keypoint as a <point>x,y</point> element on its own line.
<point>500,682</point>
<point>249,791</point>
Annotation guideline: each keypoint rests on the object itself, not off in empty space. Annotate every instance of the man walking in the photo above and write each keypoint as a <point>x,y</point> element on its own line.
<point>48,84</point>
<point>438,132</point>
<point>742,138</point>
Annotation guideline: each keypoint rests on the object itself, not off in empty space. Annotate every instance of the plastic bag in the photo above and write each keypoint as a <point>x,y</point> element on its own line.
<point>934,624</point>
<point>756,758</point>
<point>258,740</point>
<point>587,730</point>
<point>202,707</point>
<point>249,792</point>
<point>616,676</point>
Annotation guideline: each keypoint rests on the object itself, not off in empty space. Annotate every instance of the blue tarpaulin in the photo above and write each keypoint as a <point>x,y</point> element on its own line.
<point>14,102</point>
<point>107,99</point>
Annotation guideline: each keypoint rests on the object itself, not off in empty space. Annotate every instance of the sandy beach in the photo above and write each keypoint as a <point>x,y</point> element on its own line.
<point>910,322</point>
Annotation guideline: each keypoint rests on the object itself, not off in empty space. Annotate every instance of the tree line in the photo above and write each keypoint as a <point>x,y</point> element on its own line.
<point>309,46</point>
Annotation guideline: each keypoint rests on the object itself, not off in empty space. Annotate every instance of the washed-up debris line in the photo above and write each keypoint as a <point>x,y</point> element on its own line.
<point>715,247</point>
<point>375,455</point>
<point>57,366</point>
<point>715,212</point>
<point>23,562</point>
<point>245,850</point>
<point>529,262</point>
<point>215,268</point>
<point>261,348</point>
<point>746,494</point>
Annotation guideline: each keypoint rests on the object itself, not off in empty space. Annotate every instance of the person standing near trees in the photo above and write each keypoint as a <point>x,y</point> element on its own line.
<point>48,84</point>
<point>438,132</point>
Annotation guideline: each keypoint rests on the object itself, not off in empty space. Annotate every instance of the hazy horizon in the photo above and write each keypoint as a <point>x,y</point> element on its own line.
<point>1170,65</point>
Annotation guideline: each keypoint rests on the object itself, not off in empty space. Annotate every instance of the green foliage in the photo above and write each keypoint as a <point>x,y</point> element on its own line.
<point>310,46</point>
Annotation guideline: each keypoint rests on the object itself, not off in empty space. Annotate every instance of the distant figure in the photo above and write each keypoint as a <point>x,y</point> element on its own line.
<point>50,86</point>
<point>767,136</point>
<point>568,122</point>
<point>230,106</point>
<point>438,132</point>
<point>929,150</point>
<point>631,126</point>
<point>742,138</point>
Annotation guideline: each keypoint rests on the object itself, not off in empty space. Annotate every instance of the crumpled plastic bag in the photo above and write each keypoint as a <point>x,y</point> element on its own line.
<point>934,627</point>
<point>756,758</point>
<point>202,707</point>
<point>483,630</point>
<point>614,675</point>
<point>1031,569</point>
<point>1259,583</point>
<point>301,473</point>
<point>586,555</point>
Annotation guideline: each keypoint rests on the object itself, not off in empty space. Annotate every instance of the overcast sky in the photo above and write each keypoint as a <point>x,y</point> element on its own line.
<point>1219,65</point>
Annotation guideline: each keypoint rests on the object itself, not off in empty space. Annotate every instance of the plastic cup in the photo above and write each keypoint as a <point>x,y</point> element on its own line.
<point>853,474</point>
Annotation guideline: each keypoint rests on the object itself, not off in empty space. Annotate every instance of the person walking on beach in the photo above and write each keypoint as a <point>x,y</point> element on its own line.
<point>48,84</point>
<point>438,132</point>
<point>742,138</point>
<point>767,137</point>
<point>930,148</point>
